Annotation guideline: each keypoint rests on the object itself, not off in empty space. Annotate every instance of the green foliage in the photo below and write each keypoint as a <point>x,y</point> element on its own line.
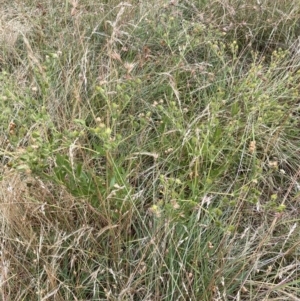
<point>150,151</point>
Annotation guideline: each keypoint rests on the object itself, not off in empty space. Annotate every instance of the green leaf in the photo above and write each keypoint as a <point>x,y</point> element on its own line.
<point>80,122</point>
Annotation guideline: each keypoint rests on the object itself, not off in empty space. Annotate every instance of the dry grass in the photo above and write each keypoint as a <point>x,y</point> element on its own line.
<point>149,151</point>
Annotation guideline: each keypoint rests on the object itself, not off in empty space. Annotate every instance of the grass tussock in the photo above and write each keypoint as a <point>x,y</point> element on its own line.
<point>149,151</point>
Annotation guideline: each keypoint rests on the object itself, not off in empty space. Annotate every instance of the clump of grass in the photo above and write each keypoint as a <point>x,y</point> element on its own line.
<point>150,154</point>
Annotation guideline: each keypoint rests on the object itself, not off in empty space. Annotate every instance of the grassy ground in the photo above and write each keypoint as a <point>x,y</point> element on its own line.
<point>149,150</point>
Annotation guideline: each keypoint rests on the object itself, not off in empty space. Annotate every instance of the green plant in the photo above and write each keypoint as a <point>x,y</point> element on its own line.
<point>150,151</point>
